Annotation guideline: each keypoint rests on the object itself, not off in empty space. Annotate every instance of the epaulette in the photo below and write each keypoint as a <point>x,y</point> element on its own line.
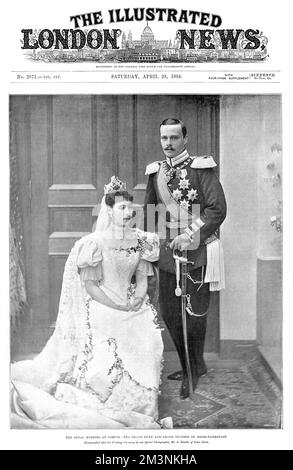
<point>152,168</point>
<point>204,161</point>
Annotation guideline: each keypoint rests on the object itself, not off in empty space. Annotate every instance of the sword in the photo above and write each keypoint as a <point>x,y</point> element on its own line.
<point>183,261</point>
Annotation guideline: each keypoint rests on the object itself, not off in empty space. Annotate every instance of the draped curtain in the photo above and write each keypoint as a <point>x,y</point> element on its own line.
<point>18,297</point>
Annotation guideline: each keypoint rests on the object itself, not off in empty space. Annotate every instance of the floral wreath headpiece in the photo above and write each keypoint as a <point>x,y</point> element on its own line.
<point>115,185</point>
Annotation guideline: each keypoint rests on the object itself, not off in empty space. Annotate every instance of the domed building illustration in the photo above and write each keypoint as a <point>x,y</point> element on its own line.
<point>147,39</point>
<point>147,35</point>
<point>145,49</point>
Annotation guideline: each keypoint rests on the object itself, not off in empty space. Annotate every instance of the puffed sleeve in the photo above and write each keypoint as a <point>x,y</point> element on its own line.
<point>89,260</point>
<point>145,267</point>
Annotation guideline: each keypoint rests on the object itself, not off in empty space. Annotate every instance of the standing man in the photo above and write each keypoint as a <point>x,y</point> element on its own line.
<point>187,185</point>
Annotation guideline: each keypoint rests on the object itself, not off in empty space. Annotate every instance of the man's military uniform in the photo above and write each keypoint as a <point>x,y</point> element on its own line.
<point>183,182</point>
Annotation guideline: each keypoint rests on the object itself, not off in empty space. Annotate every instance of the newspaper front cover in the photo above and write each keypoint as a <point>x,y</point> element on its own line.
<point>143,161</point>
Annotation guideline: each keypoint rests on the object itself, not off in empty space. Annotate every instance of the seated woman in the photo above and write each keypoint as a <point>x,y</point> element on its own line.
<point>101,368</point>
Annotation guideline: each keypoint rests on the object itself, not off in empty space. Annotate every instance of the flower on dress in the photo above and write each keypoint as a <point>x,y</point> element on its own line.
<point>192,194</point>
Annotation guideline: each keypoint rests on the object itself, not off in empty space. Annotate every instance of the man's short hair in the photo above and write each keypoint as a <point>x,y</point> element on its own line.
<point>174,121</point>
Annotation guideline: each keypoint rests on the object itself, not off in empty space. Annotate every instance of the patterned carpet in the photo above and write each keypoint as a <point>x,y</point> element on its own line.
<point>232,395</point>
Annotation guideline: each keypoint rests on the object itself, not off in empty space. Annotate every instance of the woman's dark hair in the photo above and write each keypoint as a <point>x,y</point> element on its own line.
<point>110,198</point>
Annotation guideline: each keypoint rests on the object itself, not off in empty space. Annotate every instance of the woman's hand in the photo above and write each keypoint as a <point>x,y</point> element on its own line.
<point>99,295</point>
<point>136,304</point>
<point>124,308</point>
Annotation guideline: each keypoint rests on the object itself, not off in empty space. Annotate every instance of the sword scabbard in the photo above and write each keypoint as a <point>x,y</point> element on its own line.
<point>184,320</point>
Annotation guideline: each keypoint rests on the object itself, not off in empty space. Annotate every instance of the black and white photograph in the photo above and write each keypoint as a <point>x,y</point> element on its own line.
<point>115,324</point>
<point>146,236</point>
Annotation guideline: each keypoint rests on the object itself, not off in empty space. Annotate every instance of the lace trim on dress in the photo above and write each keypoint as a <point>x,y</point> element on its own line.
<point>155,313</point>
<point>118,364</point>
<point>129,251</point>
<point>80,381</point>
<point>129,396</point>
<point>87,351</point>
<point>140,246</point>
<point>158,327</point>
<point>144,245</point>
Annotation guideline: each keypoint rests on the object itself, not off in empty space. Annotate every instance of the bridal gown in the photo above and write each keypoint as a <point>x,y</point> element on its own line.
<point>101,368</point>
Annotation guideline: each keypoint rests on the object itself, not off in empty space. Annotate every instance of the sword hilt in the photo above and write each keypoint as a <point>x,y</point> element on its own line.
<point>181,259</point>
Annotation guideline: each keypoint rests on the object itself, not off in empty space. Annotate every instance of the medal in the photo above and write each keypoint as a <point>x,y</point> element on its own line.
<point>168,173</point>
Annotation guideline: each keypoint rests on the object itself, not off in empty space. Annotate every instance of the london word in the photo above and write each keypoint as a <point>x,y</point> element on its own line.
<point>70,39</point>
<point>108,39</point>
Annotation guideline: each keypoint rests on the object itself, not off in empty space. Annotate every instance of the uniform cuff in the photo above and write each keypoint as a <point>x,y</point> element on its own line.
<point>196,225</point>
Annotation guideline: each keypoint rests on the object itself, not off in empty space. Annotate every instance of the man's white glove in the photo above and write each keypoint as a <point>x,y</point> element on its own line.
<point>181,242</point>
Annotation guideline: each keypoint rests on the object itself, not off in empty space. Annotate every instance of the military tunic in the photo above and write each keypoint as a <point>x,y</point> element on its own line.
<point>191,182</point>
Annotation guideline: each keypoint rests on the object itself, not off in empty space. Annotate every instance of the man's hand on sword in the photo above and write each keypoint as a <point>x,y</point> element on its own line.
<point>181,242</point>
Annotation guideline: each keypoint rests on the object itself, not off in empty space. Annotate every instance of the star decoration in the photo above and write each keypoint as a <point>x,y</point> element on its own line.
<point>192,194</point>
<point>184,184</point>
<point>184,204</point>
<point>177,194</point>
